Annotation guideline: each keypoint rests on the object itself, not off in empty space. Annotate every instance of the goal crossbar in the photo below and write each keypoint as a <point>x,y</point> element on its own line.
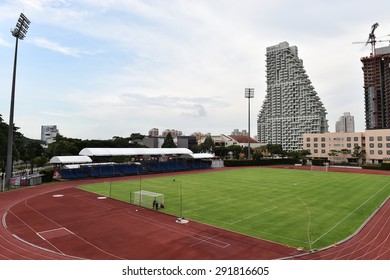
<point>146,198</point>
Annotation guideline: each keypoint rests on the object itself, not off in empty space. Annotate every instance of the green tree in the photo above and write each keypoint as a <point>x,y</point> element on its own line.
<point>235,151</point>
<point>33,149</point>
<point>358,153</point>
<point>221,152</point>
<point>207,146</point>
<point>299,155</point>
<point>63,147</point>
<point>275,149</point>
<point>3,144</point>
<point>333,153</point>
<point>168,142</point>
<point>257,153</point>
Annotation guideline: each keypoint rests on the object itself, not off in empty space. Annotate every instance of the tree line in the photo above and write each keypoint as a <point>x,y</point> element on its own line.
<point>30,151</point>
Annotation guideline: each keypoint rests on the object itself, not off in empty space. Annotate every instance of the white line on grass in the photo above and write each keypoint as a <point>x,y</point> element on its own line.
<point>342,220</point>
<point>254,215</point>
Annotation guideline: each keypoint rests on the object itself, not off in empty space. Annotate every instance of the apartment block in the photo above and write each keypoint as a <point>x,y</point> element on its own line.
<point>291,106</point>
<point>376,71</point>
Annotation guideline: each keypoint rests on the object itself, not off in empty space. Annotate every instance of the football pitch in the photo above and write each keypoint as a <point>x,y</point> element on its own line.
<point>303,209</point>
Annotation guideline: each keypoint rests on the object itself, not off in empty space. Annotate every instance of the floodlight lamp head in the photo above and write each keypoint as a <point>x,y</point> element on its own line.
<point>21,27</point>
<point>249,92</point>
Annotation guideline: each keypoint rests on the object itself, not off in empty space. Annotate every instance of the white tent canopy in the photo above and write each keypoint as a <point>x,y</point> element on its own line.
<point>198,156</point>
<point>133,151</point>
<point>70,159</point>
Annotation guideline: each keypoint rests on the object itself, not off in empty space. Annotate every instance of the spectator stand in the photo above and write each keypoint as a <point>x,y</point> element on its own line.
<point>100,162</point>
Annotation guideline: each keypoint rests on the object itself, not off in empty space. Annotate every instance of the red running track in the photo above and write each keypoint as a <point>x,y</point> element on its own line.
<point>62,222</point>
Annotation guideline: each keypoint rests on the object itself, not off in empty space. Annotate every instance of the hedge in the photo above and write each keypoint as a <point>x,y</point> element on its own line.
<point>260,162</point>
<point>382,166</point>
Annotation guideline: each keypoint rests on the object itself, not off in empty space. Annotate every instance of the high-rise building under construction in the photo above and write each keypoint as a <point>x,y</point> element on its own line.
<point>376,71</point>
<point>291,106</point>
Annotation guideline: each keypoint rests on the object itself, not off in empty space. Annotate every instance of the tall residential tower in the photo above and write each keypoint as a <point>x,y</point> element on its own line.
<point>291,106</point>
<point>376,69</point>
<point>346,123</point>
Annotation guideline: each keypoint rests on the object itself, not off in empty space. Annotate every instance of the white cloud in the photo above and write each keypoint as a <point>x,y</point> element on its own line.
<point>185,64</point>
<point>56,47</point>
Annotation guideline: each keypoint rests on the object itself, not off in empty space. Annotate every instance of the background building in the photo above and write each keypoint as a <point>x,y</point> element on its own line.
<point>376,71</point>
<point>375,143</point>
<point>320,145</point>
<point>174,133</point>
<point>237,132</point>
<point>154,132</point>
<point>48,134</point>
<point>291,106</point>
<point>346,123</point>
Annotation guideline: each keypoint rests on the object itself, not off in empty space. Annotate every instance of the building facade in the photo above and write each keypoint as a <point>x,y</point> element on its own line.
<point>154,132</point>
<point>375,144</point>
<point>346,123</point>
<point>291,106</point>
<point>376,71</point>
<point>48,134</point>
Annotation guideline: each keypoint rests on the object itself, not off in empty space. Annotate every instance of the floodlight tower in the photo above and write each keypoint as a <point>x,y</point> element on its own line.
<point>249,93</point>
<point>19,32</point>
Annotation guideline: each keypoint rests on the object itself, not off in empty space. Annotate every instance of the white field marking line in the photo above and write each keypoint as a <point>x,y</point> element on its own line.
<point>382,254</point>
<point>82,239</point>
<point>51,230</point>
<point>186,233</point>
<point>39,247</point>
<point>254,215</point>
<point>370,244</point>
<point>342,220</point>
<point>251,229</point>
<point>14,202</point>
<point>309,221</point>
<point>203,238</point>
<point>55,229</point>
<point>193,210</point>
<point>92,201</point>
<point>3,220</point>
<point>207,241</point>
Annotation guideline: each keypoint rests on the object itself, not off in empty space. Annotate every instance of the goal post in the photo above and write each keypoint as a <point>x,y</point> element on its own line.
<point>148,199</point>
<point>323,168</point>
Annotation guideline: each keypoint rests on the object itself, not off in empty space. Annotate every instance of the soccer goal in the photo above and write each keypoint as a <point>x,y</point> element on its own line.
<point>148,199</point>
<point>323,168</point>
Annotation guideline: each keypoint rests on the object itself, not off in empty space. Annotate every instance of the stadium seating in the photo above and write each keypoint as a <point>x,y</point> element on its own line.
<point>125,169</point>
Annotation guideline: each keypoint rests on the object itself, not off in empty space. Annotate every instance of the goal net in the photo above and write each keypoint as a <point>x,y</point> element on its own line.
<point>148,199</point>
<point>323,168</point>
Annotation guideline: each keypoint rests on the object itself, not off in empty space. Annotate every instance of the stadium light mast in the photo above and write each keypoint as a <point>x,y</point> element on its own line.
<point>249,93</point>
<point>19,32</point>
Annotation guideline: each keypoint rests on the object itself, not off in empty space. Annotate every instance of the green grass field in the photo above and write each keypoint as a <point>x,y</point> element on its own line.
<point>309,209</point>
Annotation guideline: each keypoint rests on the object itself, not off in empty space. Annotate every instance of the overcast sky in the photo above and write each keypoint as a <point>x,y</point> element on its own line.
<point>103,68</point>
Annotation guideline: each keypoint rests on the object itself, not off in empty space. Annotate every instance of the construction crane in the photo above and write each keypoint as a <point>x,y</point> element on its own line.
<point>371,39</point>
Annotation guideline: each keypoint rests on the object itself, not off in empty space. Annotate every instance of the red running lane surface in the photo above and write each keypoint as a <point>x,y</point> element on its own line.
<point>62,222</point>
